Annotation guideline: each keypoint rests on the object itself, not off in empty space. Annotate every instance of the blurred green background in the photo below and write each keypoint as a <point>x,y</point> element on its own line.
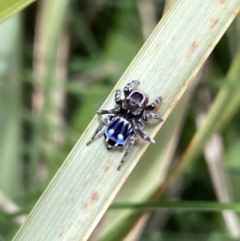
<point>58,62</point>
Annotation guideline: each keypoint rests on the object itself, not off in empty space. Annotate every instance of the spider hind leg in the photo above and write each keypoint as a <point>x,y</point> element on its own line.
<point>138,127</point>
<point>144,136</point>
<point>128,150</point>
<point>99,128</point>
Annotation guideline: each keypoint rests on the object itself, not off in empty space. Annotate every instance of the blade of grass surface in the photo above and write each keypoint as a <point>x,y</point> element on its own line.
<point>10,7</point>
<point>148,174</point>
<point>10,107</point>
<point>213,155</point>
<point>228,99</point>
<point>50,51</point>
<point>88,181</point>
<point>181,206</point>
<point>169,236</point>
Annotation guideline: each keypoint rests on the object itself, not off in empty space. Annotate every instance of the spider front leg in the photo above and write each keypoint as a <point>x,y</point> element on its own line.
<point>154,104</point>
<point>128,150</point>
<point>109,112</point>
<point>127,89</point>
<point>149,116</point>
<point>118,97</point>
<point>99,128</point>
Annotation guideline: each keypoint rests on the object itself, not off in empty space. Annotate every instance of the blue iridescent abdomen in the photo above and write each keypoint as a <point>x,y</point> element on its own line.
<point>117,132</point>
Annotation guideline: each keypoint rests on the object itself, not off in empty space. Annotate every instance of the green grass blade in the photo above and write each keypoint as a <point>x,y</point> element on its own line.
<point>180,206</point>
<point>10,107</point>
<point>87,182</point>
<point>155,164</point>
<point>48,99</point>
<point>228,99</point>
<point>10,7</point>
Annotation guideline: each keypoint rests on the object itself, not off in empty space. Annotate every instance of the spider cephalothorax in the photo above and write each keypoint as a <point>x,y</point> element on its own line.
<point>126,119</point>
<point>135,102</point>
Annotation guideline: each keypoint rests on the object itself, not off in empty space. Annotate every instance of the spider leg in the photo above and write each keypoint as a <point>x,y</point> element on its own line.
<point>108,112</point>
<point>154,104</point>
<point>148,116</point>
<point>144,136</point>
<point>127,89</point>
<point>118,97</point>
<point>138,126</point>
<point>128,150</point>
<point>99,128</point>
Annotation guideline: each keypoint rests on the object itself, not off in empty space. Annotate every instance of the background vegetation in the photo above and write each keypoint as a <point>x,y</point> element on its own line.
<point>55,73</point>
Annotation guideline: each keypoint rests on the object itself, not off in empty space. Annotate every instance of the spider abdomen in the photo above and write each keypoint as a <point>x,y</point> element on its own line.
<point>117,132</point>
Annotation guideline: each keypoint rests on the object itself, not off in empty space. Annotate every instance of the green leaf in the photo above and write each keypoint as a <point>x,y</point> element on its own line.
<point>10,7</point>
<point>87,182</point>
<point>10,107</point>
